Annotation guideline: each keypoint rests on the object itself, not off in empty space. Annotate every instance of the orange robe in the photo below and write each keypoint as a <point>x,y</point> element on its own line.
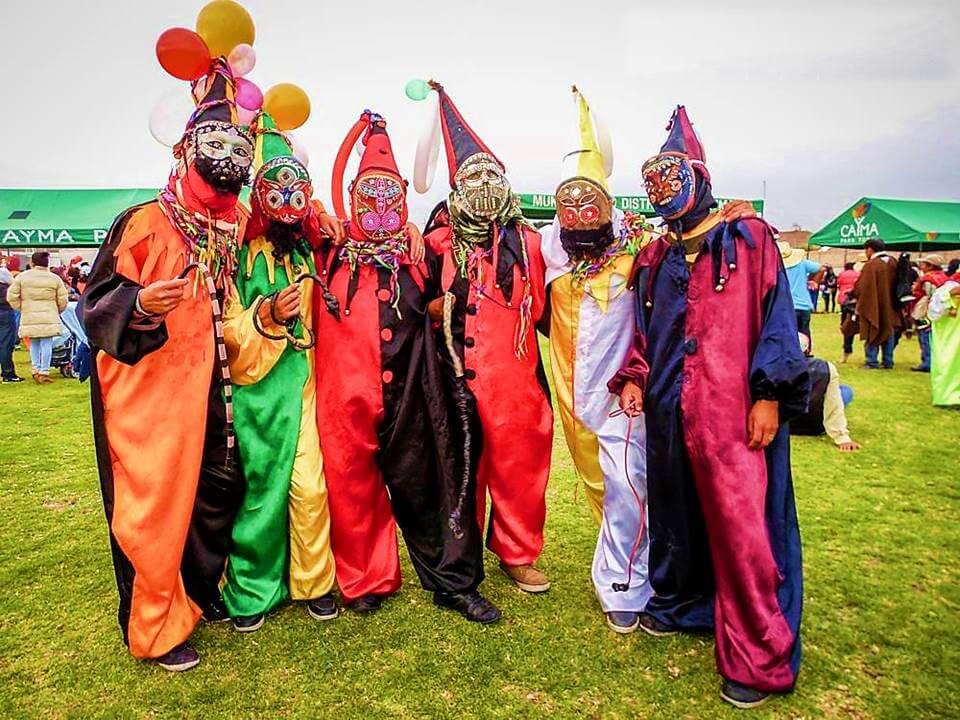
<point>153,393</point>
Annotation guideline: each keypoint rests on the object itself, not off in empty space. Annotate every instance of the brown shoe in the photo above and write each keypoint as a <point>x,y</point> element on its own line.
<point>526,577</point>
<point>45,379</point>
<point>36,378</point>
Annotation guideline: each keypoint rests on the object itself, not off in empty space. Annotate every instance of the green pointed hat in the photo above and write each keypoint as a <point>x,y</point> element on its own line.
<point>281,182</point>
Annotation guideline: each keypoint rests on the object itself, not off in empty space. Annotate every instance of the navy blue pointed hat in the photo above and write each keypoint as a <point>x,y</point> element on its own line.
<point>683,139</point>
<point>459,139</point>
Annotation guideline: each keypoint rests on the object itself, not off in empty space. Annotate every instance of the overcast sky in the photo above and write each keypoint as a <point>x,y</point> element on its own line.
<point>825,101</point>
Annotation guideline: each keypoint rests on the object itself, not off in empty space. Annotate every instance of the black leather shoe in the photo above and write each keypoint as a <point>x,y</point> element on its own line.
<point>216,612</point>
<point>323,608</point>
<point>183,657</point>
<point>472,605</point>
<point>366,604</point>
<point>249,623</point>
<point>651,626</point>
<point>741,696</point>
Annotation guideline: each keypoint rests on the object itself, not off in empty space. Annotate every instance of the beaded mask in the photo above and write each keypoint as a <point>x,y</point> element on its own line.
<point>222,153</point>
<point>482,186</point>
<point>671,184</point>
<point>283,190</point>
<point>379,205</point>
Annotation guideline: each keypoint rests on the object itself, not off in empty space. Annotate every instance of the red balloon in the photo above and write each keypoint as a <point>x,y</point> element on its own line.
<point>183,53</point>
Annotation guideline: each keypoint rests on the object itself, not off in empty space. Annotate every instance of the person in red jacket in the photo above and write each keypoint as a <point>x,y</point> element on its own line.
<point>492,295</point>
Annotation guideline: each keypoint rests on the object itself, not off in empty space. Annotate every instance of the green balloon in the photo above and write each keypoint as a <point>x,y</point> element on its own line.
<point>417,90</point>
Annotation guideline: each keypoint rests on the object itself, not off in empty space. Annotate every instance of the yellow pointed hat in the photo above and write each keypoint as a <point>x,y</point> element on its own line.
<point>583,197</point>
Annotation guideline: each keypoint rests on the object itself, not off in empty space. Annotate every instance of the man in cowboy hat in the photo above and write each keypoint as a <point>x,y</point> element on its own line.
<point>932,277</point>
<point>799,269</point>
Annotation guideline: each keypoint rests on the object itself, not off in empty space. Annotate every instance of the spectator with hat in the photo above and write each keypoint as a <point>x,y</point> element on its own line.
<point>799,271</point>
<point>932,276</point>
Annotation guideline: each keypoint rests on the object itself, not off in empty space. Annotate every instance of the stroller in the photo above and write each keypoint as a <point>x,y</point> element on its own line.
<point>71,351</point>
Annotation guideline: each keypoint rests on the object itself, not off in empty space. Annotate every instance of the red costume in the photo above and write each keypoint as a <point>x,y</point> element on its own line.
<point>380,405</point>
<point>492,265</point>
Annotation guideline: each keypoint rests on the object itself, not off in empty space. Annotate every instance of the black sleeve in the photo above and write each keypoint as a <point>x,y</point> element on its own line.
<point>543,324</point>
<point>107,307</point>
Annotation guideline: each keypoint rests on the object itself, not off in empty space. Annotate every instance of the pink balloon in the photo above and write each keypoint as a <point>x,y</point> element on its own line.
<point>242,59</point>
<point>245,116</point>
<point>248,95</point>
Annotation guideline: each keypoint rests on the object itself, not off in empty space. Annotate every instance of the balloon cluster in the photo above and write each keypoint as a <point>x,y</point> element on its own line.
<point>224,28</point>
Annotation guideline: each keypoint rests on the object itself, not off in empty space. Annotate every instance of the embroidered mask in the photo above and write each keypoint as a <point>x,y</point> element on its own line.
<point>583,205</point>
<point>671,184</point>
<point>222,153</point>
<point>482,186</point>
<point>283,190</point>
<point>379,205</point>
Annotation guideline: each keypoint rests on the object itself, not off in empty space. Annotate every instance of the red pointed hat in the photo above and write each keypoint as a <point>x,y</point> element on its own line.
<point>682,138</point>
<point>459,139</point>
<point>377,151</point>
<point>371,129</point>
<point>378,208</point>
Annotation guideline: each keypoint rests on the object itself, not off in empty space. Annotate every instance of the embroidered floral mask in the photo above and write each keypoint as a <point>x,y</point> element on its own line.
<point>583,205</point>
<point>379,205</point>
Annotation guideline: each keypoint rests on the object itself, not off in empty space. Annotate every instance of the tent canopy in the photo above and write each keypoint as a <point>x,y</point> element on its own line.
<point>58,218</point>
<point>543,206</point>
<point>902,224</point>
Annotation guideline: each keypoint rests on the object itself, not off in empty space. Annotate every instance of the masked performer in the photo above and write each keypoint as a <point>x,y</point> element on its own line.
<point>718,371</point>
<point>589,253</point>
<point>380,406</point>
<point>161,386</point>
<point>492,267</point>
<point>269,341</point>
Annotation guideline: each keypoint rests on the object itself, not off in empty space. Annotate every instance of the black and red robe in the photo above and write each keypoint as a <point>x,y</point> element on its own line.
<point>390,451</point>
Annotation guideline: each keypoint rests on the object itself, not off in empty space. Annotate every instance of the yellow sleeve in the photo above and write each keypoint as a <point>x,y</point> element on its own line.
<point>250,354</point>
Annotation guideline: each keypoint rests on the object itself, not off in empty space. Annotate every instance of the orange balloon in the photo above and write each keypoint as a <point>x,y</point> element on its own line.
<point>182,53</point>
<point>224,24</point>
<point>288,105</point>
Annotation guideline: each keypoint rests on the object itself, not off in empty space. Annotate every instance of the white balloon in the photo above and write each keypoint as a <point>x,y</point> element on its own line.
<point>604,143</point>
<point>428,150</point>
<point>245,116</point>
<point>169,116</point>
<point>242,59</point>
<point>299,150</point>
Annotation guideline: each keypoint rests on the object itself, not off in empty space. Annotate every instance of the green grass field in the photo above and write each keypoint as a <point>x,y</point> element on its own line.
<point>881,626</point>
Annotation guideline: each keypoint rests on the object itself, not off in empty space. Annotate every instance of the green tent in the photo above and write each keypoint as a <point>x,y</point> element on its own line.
<point>902,224</point>
<point>543,206</point>
<point>62,218</point>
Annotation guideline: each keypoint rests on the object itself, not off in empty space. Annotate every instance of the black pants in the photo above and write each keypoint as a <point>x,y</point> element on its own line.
<point>8,340</point>
<point>219,494</point>
<point>830,300</point>
<point>423,473</point>
<point>803,322</point>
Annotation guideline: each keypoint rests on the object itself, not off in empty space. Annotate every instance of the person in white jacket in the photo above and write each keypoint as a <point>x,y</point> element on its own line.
<point>40,296</point>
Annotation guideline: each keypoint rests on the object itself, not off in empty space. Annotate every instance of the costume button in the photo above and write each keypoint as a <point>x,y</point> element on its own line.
<point>690,346</point>
<point>387,377</point>
<point>471,309</point>
<point>469,342</point>
<point>470,374</point>
<point>383,295</point>
<point>386,334</point>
